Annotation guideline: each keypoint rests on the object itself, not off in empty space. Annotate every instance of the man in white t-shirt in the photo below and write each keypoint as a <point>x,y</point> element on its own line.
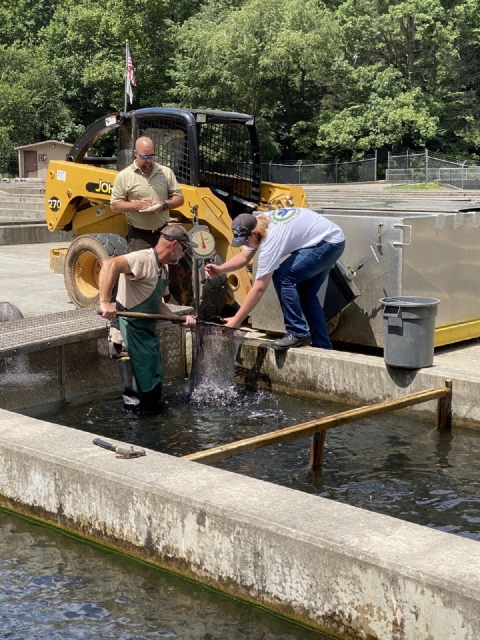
<point>134,341</point>
<point>312,243</point>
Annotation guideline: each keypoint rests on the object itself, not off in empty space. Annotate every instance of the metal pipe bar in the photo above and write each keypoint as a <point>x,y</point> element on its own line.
<point>308,428</point>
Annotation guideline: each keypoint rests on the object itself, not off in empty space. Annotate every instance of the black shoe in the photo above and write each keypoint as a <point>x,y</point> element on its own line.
<point>289,341</point>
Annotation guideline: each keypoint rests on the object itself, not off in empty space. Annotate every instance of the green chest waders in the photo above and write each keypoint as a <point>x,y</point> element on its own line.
<point>142,343</point>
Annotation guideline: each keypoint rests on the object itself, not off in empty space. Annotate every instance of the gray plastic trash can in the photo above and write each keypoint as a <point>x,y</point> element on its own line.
<point>409,331</point>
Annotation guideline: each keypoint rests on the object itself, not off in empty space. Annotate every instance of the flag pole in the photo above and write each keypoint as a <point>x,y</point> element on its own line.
<point>126,74</point>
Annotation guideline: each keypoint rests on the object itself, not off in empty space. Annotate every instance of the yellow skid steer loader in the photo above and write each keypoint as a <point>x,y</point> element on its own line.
<point>215,156</point>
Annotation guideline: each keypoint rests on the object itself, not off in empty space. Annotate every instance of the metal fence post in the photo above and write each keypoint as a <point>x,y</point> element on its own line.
<point>463,169</point>
<point>426,165</point>
<point>375,167</point>
<point>336,172</point>
<point>270,171</point>
<point>300,172</point>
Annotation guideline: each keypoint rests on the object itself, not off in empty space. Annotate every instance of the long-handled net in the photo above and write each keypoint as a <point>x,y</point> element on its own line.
<point>214,349</point>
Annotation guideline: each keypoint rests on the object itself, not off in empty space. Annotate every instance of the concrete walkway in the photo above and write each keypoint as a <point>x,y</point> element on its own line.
<point>27,281</point>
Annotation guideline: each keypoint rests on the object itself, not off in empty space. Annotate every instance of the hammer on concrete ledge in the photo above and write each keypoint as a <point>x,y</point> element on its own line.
<point>120,451</point>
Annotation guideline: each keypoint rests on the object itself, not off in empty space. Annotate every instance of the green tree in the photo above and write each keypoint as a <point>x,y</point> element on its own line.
<point>270,58</point>
<point>21,21</point>
<point>85,41</point>
<point>31,108</point>
<point>324,79</point>
<point>402,80</point>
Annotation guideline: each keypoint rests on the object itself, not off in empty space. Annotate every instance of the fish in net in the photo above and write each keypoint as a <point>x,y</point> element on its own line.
<point>214,350</point>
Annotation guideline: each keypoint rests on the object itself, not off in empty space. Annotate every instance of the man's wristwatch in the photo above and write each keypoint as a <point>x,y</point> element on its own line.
<point>165,205</point>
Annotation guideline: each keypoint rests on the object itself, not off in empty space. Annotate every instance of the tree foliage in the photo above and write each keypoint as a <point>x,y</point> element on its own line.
<point>271,58</point>
<point>31,107</point>
<point>402,69</point>
<point>325,79</point>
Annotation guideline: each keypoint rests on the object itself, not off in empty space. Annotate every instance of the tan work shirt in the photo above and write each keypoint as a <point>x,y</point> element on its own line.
<point>144,267</point>
<point>132,184</point>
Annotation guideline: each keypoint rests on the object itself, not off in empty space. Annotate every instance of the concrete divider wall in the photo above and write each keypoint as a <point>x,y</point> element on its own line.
<point>31,234</point>
<point>356,574</point>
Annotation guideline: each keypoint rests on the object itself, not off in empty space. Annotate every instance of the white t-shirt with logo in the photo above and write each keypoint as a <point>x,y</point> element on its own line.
<point>292,229</point>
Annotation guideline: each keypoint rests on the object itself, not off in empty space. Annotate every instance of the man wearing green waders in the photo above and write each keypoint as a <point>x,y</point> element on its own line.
<point>133,341</point>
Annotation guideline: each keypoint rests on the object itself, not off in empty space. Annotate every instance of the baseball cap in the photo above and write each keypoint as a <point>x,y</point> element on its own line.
<point>176,232</point>
<point>242,226</point>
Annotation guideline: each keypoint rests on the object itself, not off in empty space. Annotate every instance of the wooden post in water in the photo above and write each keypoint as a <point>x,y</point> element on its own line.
<point>317,450</point>
<point>444,410</point>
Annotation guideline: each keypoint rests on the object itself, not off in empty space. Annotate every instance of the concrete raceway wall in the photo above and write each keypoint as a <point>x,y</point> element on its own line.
<point>347,571</point>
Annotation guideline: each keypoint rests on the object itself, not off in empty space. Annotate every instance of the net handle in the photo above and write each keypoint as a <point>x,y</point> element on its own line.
<point>151,316</point>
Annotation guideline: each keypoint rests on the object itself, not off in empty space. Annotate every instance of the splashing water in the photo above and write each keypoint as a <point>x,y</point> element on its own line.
<point>205,395</point>
<point>16,368</point>
<point>17,372</point>
<point>214,350</point>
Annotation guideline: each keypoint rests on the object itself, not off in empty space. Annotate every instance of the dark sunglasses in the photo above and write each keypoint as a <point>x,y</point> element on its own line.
<point>144,156</point>
<point>183,245</point>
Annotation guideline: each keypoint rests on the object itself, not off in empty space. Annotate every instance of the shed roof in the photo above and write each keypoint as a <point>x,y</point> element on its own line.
<point>38,144</point>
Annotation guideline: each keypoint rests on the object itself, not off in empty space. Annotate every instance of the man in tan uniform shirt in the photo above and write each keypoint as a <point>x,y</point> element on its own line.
<point>145,184</point>
<point>133,342</point>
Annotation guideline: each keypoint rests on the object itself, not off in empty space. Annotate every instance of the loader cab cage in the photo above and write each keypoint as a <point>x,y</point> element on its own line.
<point>214,149</point>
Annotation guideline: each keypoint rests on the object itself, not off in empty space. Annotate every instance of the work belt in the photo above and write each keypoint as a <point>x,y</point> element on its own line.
<point>135,232</point>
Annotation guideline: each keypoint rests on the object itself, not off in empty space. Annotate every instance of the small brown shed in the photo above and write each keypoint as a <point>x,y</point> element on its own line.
<point>33,158</point>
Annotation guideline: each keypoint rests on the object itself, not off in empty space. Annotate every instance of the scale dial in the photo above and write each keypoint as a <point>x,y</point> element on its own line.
<point>205,241</point>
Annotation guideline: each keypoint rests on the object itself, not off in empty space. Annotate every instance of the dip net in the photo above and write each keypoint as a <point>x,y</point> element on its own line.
<point>214,350</point>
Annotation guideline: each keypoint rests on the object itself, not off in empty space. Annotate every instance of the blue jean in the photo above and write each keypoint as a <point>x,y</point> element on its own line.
<point>297,282</point>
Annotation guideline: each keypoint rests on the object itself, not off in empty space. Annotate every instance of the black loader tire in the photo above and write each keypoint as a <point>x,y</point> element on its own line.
<point>213,291</point>
<point>82,265</point>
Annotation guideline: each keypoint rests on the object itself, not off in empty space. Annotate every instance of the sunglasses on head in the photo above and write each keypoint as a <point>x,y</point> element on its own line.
<point>145,156</point>
<point>240,232</point>
<point>184,245</point>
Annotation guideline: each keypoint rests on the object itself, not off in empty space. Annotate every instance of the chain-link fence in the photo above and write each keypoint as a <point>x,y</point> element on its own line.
<point>417,168</point>
<point>328,173</point>
<point>463,178</point>
<point>9,166</point>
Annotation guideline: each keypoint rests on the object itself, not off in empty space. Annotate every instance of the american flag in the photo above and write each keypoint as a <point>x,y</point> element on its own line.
<point>130,76</point>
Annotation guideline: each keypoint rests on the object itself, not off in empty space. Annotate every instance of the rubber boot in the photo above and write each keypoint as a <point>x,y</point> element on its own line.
<point>150,400</point>
<point>131,393</point>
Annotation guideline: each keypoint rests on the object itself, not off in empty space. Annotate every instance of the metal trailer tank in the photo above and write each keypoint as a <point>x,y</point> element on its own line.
<point>428,254</point>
